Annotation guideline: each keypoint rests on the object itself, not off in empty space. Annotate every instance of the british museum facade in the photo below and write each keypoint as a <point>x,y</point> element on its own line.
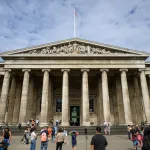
<point>76,81</point>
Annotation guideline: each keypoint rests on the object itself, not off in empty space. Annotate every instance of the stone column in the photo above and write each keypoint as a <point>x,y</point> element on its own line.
<point>12,97</point>
<point>24,97</point>
<point>137,100</point>
<point>120,101</point>
<point>105,95</point>
<point>44,103</point>
<point>30,98</point>
<point>85,97</point>
<point>4,95</point>
<point>65,98</point>
<point>145,94</point>
<point>17,102</point>
<point>50,104</point>
<point>126,99</point>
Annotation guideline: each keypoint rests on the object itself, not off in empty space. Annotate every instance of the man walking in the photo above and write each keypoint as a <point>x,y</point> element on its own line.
<point>98,141</point>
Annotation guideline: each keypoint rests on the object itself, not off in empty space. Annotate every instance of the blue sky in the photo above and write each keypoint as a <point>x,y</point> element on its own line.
<point>124,23</point>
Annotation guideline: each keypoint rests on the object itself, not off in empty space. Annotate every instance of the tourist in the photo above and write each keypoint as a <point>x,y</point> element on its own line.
<point>24,139</point>
<point>146,140</point>
<point>105,127</point>
<point>7,135</point>
<point>134,137</point>
<point>37,122</point>
<point>98,141</point>
<point>85,131</point>
<point>65,132</point>
<point>19,126</point>
<point>33,139</point>
<point>53,134</point>
<point>32,123</point>
<point>140,138</point>
<point>44,139</point>
<point>27,135</point>
<point>57,123</point>
<point>49,133</point>
<point>108,129</point>
<point>60,138</point>
<point>56,128</point>
<point>74,135</point>
<point>129,131</point>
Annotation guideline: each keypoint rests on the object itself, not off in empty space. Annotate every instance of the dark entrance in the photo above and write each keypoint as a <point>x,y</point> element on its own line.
<point>74,115</point>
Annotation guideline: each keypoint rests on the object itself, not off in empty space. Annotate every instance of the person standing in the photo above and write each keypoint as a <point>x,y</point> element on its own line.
<point>7,135</point>
<point>105,127</point>
<point>98,141</point>
<point>53,134</point>
<point>33,139</point>
<point>74,135</point>
<point>60,137</point>
<point>129,131</point>
<point>44,139</point>
<point>146,140</point>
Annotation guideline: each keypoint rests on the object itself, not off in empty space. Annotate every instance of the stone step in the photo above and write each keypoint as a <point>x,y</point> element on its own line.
<point>115,130</point>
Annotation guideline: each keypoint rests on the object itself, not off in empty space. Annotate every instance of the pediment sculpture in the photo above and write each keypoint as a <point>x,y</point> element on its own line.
<point>73,48</point>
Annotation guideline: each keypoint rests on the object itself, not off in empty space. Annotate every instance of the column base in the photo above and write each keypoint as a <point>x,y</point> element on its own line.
<point>65,124</point>
<point>128,123</point>
<point>43,124</point>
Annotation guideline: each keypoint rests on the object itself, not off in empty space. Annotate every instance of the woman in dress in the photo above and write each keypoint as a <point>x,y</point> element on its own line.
<point>74,135</point>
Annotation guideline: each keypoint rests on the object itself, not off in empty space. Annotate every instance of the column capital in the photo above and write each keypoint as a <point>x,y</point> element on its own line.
<point>87,70</point>
<point>9,70</point>
<point>43,70</point>
<point>23,70</point>
<point>101,70</point>
<point>142,69</point>
<point>126,70</point>
<point>62,70</point>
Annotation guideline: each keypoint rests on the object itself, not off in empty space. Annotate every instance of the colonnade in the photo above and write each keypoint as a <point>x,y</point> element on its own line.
<point>12,112</point>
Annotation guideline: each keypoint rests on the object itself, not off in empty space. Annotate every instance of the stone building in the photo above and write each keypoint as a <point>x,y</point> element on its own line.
<point>77,81</point>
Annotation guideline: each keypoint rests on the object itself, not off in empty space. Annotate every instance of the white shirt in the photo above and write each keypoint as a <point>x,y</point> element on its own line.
<point>33,135</point>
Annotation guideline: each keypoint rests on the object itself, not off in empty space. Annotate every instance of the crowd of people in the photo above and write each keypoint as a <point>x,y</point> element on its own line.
<point>139,136</point>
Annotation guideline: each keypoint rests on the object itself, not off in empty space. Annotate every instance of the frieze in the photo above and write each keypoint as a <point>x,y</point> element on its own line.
<point>74,48</point>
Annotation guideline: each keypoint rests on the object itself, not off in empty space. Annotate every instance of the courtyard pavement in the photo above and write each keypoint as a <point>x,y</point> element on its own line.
<point>115,142</point>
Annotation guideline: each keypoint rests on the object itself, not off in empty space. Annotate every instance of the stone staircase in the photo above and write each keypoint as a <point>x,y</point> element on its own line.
<point>115,130</point>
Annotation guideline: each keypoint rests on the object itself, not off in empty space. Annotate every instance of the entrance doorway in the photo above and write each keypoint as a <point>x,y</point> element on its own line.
<point>74,115</point>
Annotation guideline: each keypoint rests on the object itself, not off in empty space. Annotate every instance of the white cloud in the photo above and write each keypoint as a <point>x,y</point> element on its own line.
<point>124,23</point>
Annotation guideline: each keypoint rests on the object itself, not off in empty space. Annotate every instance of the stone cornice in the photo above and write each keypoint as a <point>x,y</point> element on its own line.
<point>124,50</point>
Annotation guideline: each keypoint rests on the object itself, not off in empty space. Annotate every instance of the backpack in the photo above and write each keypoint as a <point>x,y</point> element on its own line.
<point>43,137</point>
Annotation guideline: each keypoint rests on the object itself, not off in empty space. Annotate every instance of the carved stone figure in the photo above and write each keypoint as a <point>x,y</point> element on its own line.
<point>74,48</point>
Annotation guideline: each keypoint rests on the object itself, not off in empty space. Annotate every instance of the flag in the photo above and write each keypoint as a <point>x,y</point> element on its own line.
<point>75,12</point>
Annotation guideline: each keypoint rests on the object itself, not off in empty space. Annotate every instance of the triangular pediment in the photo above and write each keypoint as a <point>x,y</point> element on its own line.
<point>73,46</point>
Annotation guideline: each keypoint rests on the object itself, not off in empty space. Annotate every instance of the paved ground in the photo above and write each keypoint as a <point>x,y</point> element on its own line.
<point>116,142</point>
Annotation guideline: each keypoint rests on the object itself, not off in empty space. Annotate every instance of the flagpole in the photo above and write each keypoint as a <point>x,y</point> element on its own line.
<point>74,24</point>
